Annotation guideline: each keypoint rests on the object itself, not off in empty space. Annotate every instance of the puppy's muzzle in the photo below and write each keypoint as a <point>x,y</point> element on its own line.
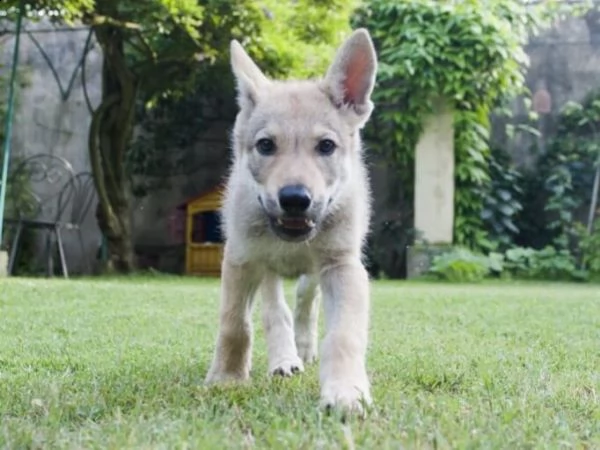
<point>294,224</point>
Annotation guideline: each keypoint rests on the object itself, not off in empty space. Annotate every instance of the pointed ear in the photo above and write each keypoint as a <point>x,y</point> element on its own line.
<point>249,78</point>
<point>351,76</point>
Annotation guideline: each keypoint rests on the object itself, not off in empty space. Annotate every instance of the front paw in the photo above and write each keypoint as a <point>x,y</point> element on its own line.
<point>347,396</point>
<point>286,367</point>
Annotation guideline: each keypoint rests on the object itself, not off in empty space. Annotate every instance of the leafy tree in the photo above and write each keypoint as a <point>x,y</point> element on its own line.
<point>155,50</point>
<point>291,39</point>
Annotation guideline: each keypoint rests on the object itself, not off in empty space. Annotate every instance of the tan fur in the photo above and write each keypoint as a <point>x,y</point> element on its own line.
<point>296,115</point>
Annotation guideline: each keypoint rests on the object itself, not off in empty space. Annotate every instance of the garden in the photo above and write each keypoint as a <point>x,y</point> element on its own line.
<point>491,343</point>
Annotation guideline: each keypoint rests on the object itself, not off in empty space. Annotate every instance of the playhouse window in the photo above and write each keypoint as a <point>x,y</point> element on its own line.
<point>206,227</point>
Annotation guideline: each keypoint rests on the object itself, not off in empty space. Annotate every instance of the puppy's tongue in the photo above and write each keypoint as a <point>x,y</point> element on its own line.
<point>295,223</point>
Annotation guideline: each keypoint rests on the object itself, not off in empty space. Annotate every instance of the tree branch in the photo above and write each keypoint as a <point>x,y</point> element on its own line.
<point>98,20</point>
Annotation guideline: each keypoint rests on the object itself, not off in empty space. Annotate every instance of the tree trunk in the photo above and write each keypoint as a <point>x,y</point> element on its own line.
<point>109,138</point>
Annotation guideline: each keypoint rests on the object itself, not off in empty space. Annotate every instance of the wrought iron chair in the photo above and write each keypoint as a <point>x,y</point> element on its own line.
<point>37,201</point>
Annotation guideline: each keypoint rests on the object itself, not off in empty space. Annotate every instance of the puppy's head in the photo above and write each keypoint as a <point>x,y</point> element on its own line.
<point>298,140</point>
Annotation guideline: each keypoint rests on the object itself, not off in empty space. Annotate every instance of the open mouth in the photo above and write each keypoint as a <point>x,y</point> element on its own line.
<point>293,228</point>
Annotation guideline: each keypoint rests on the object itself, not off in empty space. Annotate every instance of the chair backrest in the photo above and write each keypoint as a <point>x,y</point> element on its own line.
<point>35,186</point>
<point>76,198</point>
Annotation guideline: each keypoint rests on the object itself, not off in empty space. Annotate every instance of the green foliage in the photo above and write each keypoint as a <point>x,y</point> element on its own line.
<point>469,55</point>
<point>63,10</point>
<point>545,264</point>
<point>558,191</point>
<point>286,40</point>
<point>172,122</point>
<point>162,33</point>
<point>502,201</point>
<point>300,37</point>
<point>574,152</point>
<point>472,179</point>
<point>460,265</point>
<point>162,41</point>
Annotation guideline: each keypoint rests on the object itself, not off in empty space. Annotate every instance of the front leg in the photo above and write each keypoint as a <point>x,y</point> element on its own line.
<point>344,381</point>
<point>279,331</point>
<point>233,353</point>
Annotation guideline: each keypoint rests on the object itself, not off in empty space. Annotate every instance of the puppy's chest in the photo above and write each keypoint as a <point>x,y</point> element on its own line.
<point>286,260</point>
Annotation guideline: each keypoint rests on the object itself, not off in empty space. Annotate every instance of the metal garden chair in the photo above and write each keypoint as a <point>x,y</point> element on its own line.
<point>46,195</point>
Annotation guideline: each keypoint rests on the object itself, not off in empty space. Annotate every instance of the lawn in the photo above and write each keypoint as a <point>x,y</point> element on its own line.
<point>120,364</point>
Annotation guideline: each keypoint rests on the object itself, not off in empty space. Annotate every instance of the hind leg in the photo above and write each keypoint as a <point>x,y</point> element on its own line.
<point>279,331</point>
<point>306,318</point>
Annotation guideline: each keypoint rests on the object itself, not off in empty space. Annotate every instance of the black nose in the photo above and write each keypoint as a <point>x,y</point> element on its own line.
<point>294,199</point>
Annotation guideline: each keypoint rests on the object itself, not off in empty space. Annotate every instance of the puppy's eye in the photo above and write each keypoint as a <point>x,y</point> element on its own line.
<point>265,147</point>
<point>326,147</point>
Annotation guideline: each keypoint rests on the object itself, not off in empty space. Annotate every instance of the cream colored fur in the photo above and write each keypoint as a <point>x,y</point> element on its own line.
<point>296,115</point>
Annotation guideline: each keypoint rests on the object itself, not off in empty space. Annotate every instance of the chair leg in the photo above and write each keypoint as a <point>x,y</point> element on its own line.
<point>86,261</point>
<point>61,252</point>
<point>49,254</point>
<point>13,250</point>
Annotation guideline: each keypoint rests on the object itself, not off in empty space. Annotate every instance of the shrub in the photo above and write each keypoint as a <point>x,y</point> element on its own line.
<point>549,263</point>
<point>545,264</point>
<point>460,265</point>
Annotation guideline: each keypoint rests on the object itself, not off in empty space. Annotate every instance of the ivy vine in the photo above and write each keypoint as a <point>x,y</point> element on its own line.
<point>469,53</point>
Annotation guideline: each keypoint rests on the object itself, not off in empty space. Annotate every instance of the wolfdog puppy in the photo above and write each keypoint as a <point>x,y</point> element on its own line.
<point>297,204</point>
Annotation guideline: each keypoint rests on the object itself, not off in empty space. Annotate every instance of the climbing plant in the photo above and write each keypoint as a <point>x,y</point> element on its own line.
<point>469,53</point>
<point>503,200</point>
<point>560,190</point>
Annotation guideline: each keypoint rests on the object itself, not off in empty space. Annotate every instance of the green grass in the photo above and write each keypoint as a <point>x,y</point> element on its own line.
<point>120,364</point>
